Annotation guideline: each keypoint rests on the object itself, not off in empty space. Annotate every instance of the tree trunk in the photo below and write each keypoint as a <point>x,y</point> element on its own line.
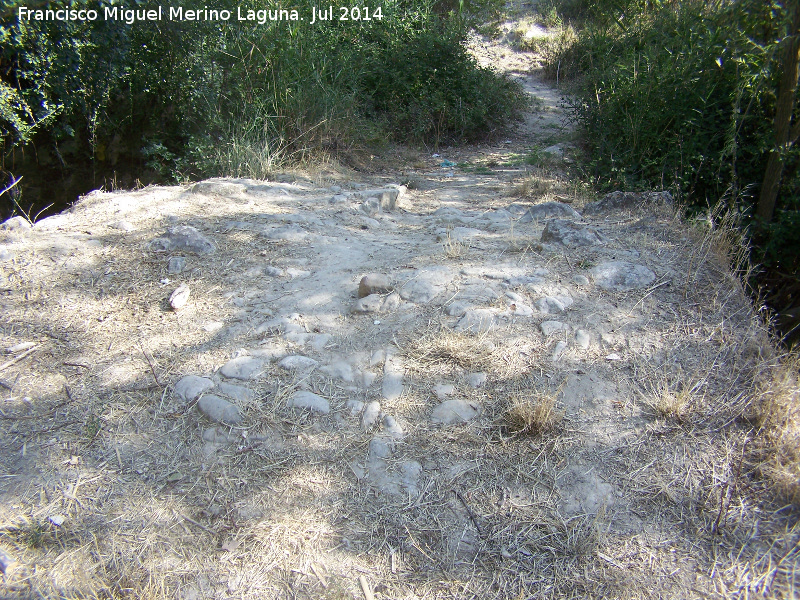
<point>784,138</point>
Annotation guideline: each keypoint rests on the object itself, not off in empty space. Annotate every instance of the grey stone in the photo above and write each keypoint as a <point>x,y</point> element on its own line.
<point>583,338</point>
<point>476,380</point>
<point>580,279</point>
<point>621,276</point>
<point>392,378</point>
<point>550,327</point>
<point>289,233</point>
<point>218,188</point>
<point>457,309</point>
<point>239,393</point>
<point>355,407</point>
<point>476,320</point>
<point>392,428</point>
<point>391,302</point>
<point>549,210</point>
<point>297,362</point>
<point>558,351</point>
<point>219,410</point>
<point>340,369</point>
<point>455,411</point>
<point>217,435</point>
<point>571,234</point>
<point>369,304</point>
<point>190,387</point>
<point>426,284</point>
<point>370,207</point>
<point>379,449</point>
<point>338,199</point>
<point>273,271</point>
<point>553,304</point>
<point>175,264</point>
<point>627,200</point>
<point>372,412</point>
<point>242,367</point>
<point>185,238</point>
<point>443,390</point>
<point>309,401</point>
<point>519,309</point>
<point>374,283</point>
<point>297,273</point>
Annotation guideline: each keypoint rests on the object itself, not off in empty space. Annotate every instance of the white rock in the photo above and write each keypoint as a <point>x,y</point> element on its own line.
<point>179,297</point>
<point>443,390</point>
<point>583,338</point>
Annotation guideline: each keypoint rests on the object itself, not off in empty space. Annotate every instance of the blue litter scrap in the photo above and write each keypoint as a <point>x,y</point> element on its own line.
<point>447,163</point>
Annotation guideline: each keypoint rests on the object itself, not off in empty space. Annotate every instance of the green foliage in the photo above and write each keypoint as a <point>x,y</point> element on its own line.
<point>188,99</point>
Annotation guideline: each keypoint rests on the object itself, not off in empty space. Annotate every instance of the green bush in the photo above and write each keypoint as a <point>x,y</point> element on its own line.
<point>190,99</point>
<point>682,95</point>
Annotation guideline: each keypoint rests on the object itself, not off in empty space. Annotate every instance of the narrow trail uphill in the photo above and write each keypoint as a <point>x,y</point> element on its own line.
<point>478,384</point>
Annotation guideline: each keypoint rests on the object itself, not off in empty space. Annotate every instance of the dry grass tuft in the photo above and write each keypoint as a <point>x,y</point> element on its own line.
<point>532,414</point>
<point>778,415</point>
<point>671,403</point>
<point>453,348</point>
<point>454,248</point>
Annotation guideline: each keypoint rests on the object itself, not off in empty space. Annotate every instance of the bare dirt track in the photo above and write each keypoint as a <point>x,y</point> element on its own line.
<point>545,398</point>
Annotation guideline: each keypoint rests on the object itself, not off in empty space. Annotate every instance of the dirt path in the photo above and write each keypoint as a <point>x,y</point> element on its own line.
<point>533,396</point>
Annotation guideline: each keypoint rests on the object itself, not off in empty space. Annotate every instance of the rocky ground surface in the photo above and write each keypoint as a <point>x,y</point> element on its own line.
<point>465,380</point>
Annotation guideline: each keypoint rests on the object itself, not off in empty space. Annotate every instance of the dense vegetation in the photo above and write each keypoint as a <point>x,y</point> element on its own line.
<point>699,97</point>
<point>180,99</point>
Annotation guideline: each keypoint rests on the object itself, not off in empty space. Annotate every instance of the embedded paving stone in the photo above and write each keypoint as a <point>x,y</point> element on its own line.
<point>549,210</point>
<point>191,386</point>
<point>289,233</point>
<point>392,378</point>
<point>242,367</point>
<point>371,414</point>
<point>339,369</point>
<point>457,309</point>
<point>476,320</point>
<point>626,200</point>
<point>571,234</point>
<point>239,393</point>
<point>309,401</point>
<point>580,279</point>
<point>476,380</point>
<point>219,188</point>
<point>558,351</point>
<point>584,492</point>
<point>219,410</point>
<point>622,276</point>
<point>553,304</point>
<point>297,362</point>
<point>183,237</point>
<point>374,283</point>
<point>426,284</point>
<point>519,309</point>
<point>368,304</point>
<point>392,428</point>
<point>550,327</point>
<point>477,293</point>
<point>175,264</point>
<point>455,411</point>
<point>443,390</point>
<point>583,338</point>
